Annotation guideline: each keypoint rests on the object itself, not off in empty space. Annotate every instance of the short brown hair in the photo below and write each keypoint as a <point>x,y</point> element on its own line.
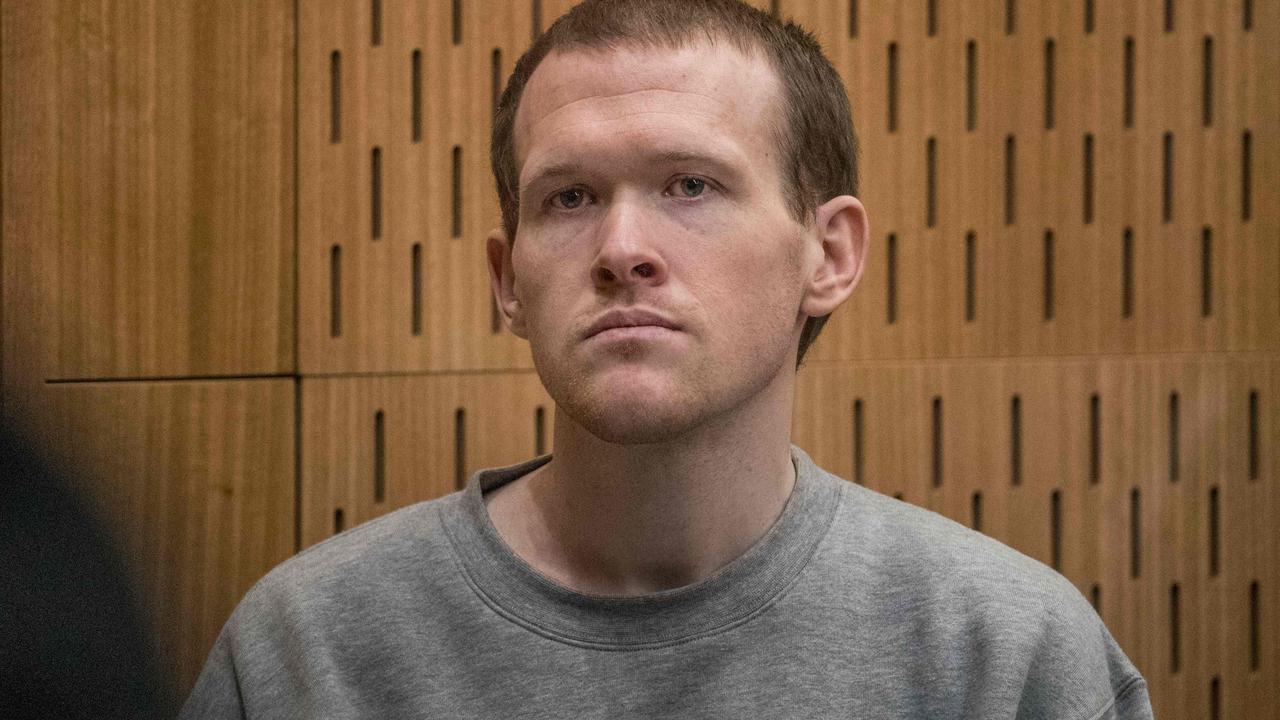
<point>819,148</point>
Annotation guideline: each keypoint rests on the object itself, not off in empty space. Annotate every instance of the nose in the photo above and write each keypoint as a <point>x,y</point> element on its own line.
<point>627,255</point>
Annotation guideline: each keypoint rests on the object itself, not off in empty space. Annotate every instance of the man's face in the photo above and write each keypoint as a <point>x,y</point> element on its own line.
<point>649,180</point>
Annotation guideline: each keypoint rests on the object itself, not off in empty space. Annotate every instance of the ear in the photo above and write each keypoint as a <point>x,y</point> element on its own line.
<point>842,230</point>
<point>502,281</point>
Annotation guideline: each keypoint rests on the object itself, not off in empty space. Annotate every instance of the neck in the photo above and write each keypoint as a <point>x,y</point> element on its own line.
<point>623,520</point>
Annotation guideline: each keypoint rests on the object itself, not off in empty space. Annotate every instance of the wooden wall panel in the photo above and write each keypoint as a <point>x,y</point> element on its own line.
<point>148,210</point>
<point>1048,178</point>
<point>1131,520</point>
<point>154,182</point>
<point>364,318</point>
<point>374,444</point>
<point>196,479</point>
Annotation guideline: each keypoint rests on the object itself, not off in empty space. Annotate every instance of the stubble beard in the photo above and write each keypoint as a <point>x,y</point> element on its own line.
<point>692,400</point>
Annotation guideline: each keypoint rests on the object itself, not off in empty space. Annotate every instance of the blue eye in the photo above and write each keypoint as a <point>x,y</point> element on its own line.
<point>569,199</point>
<point>691,186</point>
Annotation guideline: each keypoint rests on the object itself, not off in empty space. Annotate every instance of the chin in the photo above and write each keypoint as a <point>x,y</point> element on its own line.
<point>631,410</point>
<point>635,426</point>
<point>626,404</point>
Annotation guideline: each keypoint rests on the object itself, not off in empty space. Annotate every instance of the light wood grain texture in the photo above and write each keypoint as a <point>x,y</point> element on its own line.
<point>196,480</point>
<point>436,432</point>
<point>335,182</point>
<point>153,184</point>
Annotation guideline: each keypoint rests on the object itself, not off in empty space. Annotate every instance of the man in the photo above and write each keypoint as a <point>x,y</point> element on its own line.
<point>677,182</point>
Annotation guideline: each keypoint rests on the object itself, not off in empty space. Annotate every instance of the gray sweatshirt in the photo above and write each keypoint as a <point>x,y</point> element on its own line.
<point>852,605</point>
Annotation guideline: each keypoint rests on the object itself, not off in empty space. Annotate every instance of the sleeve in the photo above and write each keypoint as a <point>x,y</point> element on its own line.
<point>216,695</point>
<point>1079,671</point>
<point>1131,703</point>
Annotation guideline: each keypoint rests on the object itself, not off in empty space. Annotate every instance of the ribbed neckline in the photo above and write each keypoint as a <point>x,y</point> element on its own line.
<point>728,597</point>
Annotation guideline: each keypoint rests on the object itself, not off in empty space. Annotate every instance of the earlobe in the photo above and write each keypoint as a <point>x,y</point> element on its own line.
<point>502,280</point>
<point>843,231</point>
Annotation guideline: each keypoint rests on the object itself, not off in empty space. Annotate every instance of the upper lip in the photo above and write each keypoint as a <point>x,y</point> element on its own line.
<point>631,317</point>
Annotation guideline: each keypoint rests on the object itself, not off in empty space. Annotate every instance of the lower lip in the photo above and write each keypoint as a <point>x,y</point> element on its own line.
<point>637,332</point>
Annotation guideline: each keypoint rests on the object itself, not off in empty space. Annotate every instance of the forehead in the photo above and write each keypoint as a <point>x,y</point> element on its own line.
<point>691,96</point>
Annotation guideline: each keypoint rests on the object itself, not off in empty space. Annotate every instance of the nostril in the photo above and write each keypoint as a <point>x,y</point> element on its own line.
<point>644,270</point>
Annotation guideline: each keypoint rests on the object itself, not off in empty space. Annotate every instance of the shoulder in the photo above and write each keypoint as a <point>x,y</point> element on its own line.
<point>398,550</point>
<point>919,548</point>
<point>930,560</point>
<point>967,595</point>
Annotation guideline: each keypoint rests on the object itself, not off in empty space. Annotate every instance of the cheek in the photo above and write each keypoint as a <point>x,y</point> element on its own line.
<point>754,286</point>
<point>536,271</point>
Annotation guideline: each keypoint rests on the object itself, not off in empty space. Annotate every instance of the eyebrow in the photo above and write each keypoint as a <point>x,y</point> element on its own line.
<point>554,170</point>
